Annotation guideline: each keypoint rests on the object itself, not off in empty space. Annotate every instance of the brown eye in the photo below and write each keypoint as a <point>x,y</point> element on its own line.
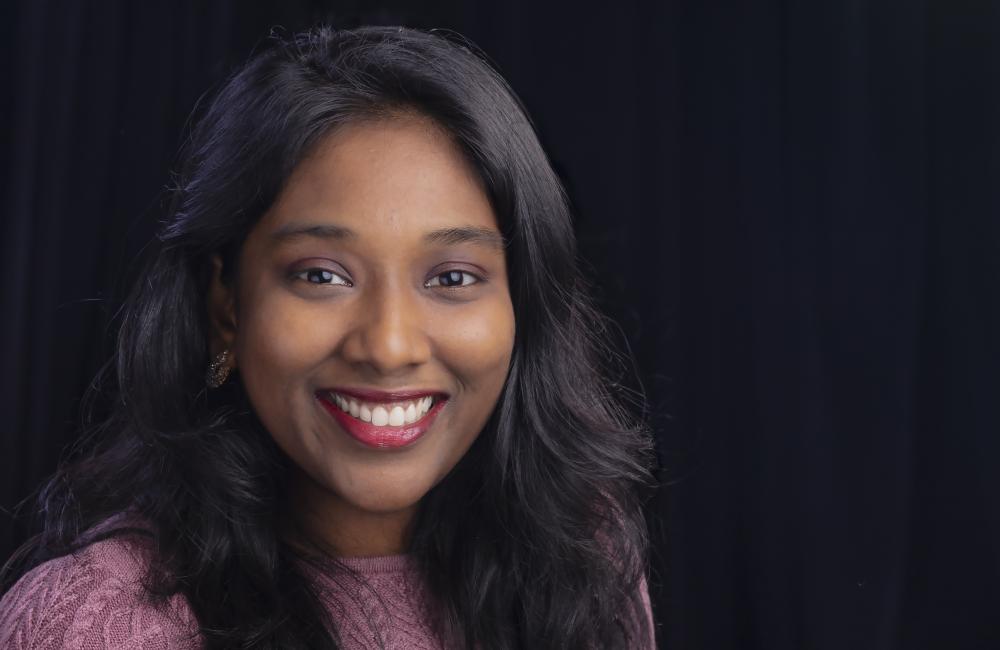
<point>323,276</point>
<point>452,279</point>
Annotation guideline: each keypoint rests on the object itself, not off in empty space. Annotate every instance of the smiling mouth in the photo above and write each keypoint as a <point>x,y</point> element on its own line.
<point>383,424</point>
<point>380,414</point>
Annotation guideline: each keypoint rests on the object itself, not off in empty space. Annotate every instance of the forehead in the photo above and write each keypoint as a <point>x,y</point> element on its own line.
<point>390,176</point>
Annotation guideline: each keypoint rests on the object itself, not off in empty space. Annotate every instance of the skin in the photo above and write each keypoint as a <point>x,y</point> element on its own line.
<point>386,320</point>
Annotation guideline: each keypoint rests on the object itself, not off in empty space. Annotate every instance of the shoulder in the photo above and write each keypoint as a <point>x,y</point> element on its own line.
<point>647,606</point>
<point>94,598</point>
<point>628,556</point>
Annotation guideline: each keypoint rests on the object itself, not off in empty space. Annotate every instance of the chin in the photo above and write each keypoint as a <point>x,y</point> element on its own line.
<point>380,500</point>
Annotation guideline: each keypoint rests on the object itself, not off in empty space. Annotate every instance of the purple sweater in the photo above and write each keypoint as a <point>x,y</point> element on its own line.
<point>93,600</point>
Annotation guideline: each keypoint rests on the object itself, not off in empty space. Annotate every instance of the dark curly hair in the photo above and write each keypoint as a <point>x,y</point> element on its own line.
<point>555,552</point>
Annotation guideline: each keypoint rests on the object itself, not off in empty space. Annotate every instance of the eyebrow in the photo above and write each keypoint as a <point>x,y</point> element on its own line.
<point>292,231</point>
<point>443,236</point>
<point>466,235</point>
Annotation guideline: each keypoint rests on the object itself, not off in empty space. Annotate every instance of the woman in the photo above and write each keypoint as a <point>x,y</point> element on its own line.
<point>406,436</point>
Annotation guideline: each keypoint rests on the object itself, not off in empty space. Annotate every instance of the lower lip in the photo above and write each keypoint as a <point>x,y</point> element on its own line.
<point>382,437</point>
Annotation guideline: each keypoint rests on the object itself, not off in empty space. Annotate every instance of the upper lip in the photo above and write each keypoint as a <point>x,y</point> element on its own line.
<point>374,395</point>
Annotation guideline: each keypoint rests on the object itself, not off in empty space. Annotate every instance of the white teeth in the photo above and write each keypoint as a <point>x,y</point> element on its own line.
<point>397,416</point>
<point>394,415</point>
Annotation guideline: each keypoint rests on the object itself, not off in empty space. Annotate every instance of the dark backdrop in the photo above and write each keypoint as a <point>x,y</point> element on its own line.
<point>791,209</point>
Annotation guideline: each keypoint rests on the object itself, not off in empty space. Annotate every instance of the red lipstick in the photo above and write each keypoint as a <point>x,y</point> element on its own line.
<point>372,395</point>
<point>382,437</point>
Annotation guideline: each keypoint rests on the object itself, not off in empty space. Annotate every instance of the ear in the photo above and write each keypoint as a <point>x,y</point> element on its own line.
<point>221,304</point>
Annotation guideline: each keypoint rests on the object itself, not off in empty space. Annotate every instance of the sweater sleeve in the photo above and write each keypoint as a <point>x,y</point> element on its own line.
<point>93,600</point>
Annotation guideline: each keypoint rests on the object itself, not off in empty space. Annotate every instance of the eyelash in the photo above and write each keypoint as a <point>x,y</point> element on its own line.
<point>348,283</point>
<point>437,276</point>
<point>303,272</point>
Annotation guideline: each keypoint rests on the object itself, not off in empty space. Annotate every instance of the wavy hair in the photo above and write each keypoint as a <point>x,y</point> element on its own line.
<point>535,539</point>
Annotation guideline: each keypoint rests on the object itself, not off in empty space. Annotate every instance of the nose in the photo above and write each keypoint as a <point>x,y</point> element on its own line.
<point>390,333</point>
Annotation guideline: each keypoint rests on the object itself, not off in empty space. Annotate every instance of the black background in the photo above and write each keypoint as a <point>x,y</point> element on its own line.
<point>791,209</point>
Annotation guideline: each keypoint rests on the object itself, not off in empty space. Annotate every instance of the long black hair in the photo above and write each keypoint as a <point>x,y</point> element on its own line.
<point>535,539</point>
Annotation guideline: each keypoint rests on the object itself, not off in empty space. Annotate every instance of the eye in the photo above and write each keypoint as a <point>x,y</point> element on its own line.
<point>453,279</point>
<point>323,276</point>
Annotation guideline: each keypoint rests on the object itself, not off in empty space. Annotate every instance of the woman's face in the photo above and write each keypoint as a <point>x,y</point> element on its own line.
<point>375,288</point>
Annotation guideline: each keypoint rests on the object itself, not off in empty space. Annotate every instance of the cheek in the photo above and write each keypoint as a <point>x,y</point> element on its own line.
<point>278,342</point>
<point>478,345</point>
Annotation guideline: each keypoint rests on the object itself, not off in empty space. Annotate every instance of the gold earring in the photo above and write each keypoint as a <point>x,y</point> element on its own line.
<point>218,372</point>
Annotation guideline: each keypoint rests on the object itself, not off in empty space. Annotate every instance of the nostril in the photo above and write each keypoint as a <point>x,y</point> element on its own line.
<point>388,351</point>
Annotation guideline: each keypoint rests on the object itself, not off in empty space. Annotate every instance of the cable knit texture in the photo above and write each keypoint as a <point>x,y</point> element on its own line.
<point>93,600</point>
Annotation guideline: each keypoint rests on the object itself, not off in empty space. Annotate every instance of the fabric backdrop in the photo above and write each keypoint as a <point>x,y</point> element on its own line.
<point>790,208</point>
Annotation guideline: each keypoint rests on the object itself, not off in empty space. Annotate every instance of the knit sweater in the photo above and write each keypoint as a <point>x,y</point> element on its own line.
<point>93,599</point>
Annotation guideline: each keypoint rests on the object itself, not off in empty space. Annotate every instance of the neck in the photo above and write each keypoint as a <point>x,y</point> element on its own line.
<point>338,529</point>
